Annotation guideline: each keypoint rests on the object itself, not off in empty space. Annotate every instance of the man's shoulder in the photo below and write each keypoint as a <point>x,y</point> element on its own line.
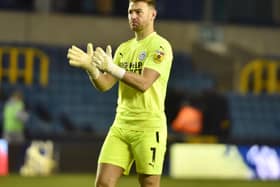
<point>158,42</point>
<point>158,39</point>
<point>124,45</point>
<point>127,42</point>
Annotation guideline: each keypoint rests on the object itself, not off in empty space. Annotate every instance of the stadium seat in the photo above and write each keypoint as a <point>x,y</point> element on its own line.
<point>253,117</point>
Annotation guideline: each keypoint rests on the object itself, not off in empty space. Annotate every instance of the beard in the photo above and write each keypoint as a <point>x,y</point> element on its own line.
<point>136,27</point>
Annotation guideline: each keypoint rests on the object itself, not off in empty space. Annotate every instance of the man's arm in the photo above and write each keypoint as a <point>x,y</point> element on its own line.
<point>78,58</point>
<point>104,62</point>
<point>141,82</point>
<point>104,82</point>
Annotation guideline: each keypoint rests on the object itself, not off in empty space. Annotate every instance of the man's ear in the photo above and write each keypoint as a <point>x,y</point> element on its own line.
<point>154,14</point>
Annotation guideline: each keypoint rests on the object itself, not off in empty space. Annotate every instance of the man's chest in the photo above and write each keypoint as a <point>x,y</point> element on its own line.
<point>133,59</point>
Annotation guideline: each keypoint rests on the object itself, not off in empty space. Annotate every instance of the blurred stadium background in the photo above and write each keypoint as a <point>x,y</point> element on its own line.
<point>226,68</point>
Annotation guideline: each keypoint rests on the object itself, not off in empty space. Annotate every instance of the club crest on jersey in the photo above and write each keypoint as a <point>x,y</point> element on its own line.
<point>142,56</point>
<point>158,56</point>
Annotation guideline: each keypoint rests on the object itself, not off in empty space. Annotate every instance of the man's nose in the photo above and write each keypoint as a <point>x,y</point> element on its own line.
<point>133,15</point>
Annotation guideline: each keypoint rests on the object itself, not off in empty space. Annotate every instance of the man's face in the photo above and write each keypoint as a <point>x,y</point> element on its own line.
<point>140,15</point>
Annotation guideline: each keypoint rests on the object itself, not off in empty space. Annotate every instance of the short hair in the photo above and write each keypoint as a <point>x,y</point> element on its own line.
<point>149,2</point>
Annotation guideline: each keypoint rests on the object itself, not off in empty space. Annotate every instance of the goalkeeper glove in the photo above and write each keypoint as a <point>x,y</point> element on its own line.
<point>78,58</point>
<point>104,61</point>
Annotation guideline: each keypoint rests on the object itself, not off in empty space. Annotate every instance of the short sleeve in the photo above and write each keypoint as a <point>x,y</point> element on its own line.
<point>159,58</point>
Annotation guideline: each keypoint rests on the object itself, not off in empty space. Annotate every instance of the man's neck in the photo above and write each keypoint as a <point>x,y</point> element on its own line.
<point>143,34</point>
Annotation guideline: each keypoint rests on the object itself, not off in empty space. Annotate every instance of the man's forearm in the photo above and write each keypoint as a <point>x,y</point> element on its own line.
<point>104,82</point>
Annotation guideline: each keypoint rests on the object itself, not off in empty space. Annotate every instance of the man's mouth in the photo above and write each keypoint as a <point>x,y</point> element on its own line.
<point>134,23</point>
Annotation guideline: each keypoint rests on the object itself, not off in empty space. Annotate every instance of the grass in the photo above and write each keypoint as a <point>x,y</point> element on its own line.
<point>86,180</point>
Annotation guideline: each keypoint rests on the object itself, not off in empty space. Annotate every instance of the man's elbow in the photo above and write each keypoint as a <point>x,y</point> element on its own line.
<point>143,87</point>
<point>103,89</point>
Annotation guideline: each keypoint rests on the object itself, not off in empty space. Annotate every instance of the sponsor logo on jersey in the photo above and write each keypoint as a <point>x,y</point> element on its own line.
<point>135,67</point>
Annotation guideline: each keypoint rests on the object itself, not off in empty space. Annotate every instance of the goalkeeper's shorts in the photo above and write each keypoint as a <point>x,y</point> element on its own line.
<point>146,147</point>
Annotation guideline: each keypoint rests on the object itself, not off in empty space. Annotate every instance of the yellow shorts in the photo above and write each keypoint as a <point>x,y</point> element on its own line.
<point>147,148</point>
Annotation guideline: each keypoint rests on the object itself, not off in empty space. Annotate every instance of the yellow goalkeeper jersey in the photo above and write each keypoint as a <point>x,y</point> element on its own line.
<point>138,109</point>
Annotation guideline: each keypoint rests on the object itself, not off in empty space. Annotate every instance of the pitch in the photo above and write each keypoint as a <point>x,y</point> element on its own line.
<point>87,180</point>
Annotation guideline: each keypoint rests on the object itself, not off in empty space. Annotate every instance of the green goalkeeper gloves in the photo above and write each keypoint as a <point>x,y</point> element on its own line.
<point>104,62</point>
<point>78,58</point>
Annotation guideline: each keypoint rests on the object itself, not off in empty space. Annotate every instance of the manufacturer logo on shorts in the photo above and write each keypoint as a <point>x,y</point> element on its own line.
<point>152,164</point>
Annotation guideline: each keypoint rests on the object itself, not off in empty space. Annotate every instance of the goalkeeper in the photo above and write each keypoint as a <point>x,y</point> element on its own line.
<point>142,66</point>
